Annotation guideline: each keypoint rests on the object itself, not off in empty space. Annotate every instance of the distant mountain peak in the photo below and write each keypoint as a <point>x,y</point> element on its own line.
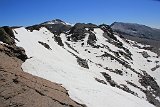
<point>55,21</point>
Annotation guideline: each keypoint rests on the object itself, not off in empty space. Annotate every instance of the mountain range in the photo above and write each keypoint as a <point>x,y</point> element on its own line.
<point>136,30</point>
<point>85,65</point>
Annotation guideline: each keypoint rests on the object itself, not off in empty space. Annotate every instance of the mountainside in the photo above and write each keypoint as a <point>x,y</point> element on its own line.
<point>96,66</point>
<point>139,33</point>
<point>137,30</point>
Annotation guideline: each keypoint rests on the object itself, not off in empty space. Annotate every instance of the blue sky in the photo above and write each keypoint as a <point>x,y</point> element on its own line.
<point>29,12</point>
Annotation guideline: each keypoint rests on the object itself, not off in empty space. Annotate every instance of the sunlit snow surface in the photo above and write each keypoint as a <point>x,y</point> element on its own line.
<point>60,66</point>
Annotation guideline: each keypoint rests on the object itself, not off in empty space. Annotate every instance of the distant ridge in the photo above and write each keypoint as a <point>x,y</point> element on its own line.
<point>136,30</point>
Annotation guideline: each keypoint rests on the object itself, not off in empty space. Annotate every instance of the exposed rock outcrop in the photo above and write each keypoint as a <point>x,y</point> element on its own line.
<point>145,54</point>
<point>58,39</point>
<point>152,89</point>
<point>34,27</point>
<point>156,67</point>
<point>109,79</point>
<point>56,26</point>
<point>91,39</point>
<point>78,31</point>
<point>107,31</point>
<point>7,35</point>
<point>13,51</point>
<point>45,45</point>
<point>82,62</point>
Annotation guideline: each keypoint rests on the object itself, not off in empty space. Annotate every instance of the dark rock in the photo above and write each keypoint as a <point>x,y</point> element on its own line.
<point>82,44</point>
<point>145,54</point>
<point>109,79</point>
<point>134,85</point>
<point>34,27</point>
<point>106,76</point>
<point>125,88</point>
<point>100,81</point>
<point>147,81</point>
<point>121,36</point>
<point>55,21</point>
<point>156,61</point>
<point>91,39</point>
<point>147,48</point>
<point>45,45</point>
<point>78,31</point>
<point>116,54</point>
<point>20,53</point>
<point>57,38</point>
<point>127,56</point>
<point>13,51</point>
<point>112,83</point>
<point>117,71</point>
<point>15,80</point>
<point>121,61</point>
<point>71,47</point>
<point>156,67</point>
<point>96,46</point>
<point>9,31</point>
<point>83,25</point>
<point>82,62</point>
<point>78,36</point>
<point>108,31</point>
<point>57,28</point>
<point>151,99</point>
<point>127,51</point>
<point>7,35</point>
<point>149,61</point>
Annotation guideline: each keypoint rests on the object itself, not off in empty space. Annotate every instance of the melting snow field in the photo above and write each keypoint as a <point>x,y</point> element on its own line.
<point>60,66</point>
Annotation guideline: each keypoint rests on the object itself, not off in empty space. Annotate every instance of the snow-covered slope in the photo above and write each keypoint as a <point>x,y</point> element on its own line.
<point>97,68</point>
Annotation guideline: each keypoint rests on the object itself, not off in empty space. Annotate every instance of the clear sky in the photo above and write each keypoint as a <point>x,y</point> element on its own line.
<point>29,12</point>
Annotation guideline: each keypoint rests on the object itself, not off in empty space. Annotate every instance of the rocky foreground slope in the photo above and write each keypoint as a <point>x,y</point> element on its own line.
<point>96,66</point>
<point>20,89</point>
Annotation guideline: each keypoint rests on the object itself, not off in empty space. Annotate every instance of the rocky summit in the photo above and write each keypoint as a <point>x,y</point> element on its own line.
<point>57,64</point>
